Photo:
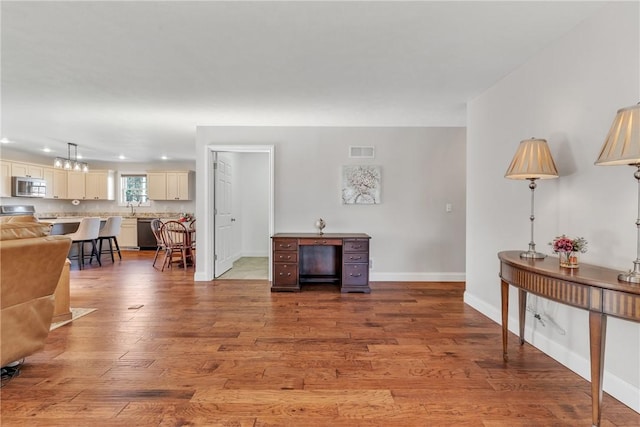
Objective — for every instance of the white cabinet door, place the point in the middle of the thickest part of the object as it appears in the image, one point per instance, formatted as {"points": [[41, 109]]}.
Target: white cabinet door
{"points": [[60, 180], [157, 185], [128, 237], [75, 185], [5, 179], [99, 185], [48, 177], [25, 169], [178, 186]]}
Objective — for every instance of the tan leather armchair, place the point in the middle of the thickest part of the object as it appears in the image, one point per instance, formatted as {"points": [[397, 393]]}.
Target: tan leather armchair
{"points": [[31, 262]]}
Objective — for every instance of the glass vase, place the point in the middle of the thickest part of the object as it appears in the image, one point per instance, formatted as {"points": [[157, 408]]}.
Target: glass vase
{"points": [[568, 259]]}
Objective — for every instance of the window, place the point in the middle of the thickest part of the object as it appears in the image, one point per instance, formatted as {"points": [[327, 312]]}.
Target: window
{"points": [[133, 189]]}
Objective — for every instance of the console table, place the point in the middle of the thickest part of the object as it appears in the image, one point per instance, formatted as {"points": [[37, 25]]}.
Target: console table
{"points": [[589, 287], [334, 258]]}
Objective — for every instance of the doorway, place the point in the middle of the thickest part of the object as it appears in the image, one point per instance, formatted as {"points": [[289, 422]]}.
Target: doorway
{"points": [[230, 193]]}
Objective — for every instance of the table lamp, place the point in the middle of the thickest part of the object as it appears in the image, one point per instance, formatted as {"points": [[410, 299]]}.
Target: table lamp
{"points": [[622, 147], [532, 161]]}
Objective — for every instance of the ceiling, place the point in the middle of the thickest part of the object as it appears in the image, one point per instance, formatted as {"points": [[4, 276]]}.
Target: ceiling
{"points": [[134, 79]]}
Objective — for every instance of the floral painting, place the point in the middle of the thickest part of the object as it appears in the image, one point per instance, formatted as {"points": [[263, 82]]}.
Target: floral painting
{"points": [[361, 185]]}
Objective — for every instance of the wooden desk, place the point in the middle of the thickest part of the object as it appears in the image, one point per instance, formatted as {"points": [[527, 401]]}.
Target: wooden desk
{"points": [[334, 258], [589, 287]]}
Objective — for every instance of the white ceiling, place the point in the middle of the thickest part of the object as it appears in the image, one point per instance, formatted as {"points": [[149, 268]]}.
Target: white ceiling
{"points": [[136, 78]]}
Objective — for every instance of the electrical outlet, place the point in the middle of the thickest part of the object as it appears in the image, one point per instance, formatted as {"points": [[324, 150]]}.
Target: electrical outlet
{"points": [[370, 263], [448, 207]]}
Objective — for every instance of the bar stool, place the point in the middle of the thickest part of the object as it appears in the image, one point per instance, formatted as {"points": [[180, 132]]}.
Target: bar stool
{"points": [[109, 232], [87, 232]]}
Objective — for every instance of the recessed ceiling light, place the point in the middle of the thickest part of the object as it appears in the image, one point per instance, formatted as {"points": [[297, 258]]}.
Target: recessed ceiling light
{"points": [[4, 141], [164, 157], [46, 150], [121, 157]]}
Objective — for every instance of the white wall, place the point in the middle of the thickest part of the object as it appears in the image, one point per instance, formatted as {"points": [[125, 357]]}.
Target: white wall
{"points": [[413, 238], [567, 94]]}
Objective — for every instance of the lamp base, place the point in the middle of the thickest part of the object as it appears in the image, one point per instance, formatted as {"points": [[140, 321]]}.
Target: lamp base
{"points": [[532, 255], [629, 277]]}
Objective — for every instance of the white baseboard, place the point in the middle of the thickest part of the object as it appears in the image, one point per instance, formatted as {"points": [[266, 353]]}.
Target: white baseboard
{"points": [[417, 277], [614, 385]]}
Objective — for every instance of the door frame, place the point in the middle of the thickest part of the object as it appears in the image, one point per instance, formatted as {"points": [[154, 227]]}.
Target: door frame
{"points": [[205, 252]]}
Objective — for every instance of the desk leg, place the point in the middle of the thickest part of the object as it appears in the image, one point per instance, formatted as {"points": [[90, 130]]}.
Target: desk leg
{"points": [[505, 319], [522, 311], [597, 338]]}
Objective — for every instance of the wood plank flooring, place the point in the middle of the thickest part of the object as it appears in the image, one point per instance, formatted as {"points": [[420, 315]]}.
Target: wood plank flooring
{"points": [[231, 353]]}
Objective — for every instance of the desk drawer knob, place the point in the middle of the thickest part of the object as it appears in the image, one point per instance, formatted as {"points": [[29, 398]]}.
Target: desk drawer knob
{"points": [[285, 246]]}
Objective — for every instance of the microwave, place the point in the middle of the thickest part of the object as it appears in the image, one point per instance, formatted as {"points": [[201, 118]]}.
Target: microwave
{"points": [[28, 187]]}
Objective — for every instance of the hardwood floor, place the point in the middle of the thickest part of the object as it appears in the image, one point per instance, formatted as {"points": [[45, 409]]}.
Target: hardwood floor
{"points": [[231, 353]]}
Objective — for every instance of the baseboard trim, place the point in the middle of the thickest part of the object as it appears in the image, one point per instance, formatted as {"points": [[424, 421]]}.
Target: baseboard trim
{"points": [[417, 277], [614, 385]]}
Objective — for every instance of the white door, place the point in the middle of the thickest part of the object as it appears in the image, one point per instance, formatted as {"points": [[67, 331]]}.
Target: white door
{"points": [[223, 220]]}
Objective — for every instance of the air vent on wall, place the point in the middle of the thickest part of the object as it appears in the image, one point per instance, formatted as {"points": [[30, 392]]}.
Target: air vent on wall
{"points": [[362, 152]]}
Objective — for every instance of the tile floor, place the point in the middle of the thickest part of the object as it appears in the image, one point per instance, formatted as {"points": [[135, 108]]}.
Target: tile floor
{"points": [[248, 268]]}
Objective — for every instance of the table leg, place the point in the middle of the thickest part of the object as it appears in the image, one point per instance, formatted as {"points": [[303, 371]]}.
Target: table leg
{"points": [[505, 319], [597, 338], [522, 311]]}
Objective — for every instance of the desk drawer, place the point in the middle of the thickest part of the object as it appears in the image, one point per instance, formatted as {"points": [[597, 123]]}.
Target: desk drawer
{"points": [[320, 242], [285, 256], [285, 274], [359, 257], [285, 244], [356, 246], [355, 274]]}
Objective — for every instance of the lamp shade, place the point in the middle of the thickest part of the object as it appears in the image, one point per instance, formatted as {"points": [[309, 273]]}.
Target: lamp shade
{"points": [[532, 161], [622, 146]]}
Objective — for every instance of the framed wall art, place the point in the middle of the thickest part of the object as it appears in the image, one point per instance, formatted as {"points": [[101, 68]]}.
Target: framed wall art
{"points": [[361, 184]]}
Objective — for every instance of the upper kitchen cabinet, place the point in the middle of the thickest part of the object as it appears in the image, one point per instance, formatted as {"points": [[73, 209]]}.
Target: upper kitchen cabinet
{"points": [[5, 179], [170, 185], [57, 183], [94, 185], [26, 169]]}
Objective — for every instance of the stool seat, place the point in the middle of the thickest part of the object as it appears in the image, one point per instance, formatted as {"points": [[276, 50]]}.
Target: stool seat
{"points": [[109, 232], [87, 232]]}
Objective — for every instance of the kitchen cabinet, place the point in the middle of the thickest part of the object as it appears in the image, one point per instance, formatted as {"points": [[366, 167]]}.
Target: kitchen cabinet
{"points": [[157, 185], [75, 185], [56, 183], [26, 169], [170, 185], [99, 185], [94, 185], [128, 237], [5, 179]]}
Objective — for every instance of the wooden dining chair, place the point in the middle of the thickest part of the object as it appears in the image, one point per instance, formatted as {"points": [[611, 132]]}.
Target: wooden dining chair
{"points": [[156, 225], [175, 238]]}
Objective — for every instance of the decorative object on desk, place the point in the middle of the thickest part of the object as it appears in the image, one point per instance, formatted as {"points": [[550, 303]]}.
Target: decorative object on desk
{"points": [[361, 185], [622, 147], [532, 161], [568, 249], [320, 225], [185, 217], [71, 163]]}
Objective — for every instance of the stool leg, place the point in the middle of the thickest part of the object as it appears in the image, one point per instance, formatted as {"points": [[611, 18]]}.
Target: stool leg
{"points": [[110, 249], [95, 250], [80, 254], [115, 240]]}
